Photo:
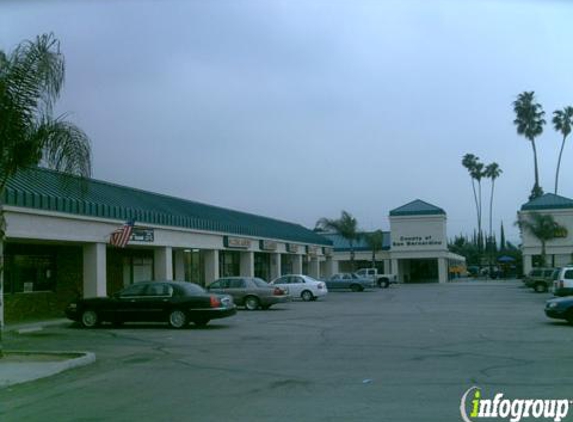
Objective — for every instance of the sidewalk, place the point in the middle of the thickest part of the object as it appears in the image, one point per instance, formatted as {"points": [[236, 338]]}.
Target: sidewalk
{"points": [[18, 366]]}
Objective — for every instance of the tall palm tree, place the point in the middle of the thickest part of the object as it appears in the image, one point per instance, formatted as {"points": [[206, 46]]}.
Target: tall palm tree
{"points": [[475, 170], [492, 171], [529, 122], [31, 78], [562, 122], [375, 242], [542, 226], [346, 226]]}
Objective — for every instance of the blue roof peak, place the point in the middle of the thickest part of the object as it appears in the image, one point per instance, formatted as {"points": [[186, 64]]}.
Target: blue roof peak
{"points": [[417, 207], [548, 201]]}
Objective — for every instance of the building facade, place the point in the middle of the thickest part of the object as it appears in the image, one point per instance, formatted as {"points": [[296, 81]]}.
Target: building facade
{"points": [[58, 230], [59, 227], [415, 248], [559, 250]]}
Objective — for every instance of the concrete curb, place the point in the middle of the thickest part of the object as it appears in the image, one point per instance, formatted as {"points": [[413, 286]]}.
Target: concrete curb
{"points": [[17, 367], [32, 326]]}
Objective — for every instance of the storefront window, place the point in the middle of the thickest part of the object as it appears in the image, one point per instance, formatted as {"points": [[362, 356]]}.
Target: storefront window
{"points": [[263, 266], [286, 264], [30, 273], [229, 263], [195, 266]]}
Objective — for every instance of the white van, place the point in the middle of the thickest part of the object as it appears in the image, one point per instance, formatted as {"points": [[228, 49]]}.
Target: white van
{"points": [[563, 282]]}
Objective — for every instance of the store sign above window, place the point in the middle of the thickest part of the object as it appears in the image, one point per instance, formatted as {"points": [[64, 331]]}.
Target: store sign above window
{"points": [[268, 245], [312, 250], [236, 242], [292, 248], [141, 234]]}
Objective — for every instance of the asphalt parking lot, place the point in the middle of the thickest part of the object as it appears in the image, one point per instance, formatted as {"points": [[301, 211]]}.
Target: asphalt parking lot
{"points": [[406, 353]]}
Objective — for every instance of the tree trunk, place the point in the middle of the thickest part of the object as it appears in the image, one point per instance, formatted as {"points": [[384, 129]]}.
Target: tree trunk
{"points": [[3, 183], [535, 162], [476, 201], [559, 164], [491, 252], [2, 236]]}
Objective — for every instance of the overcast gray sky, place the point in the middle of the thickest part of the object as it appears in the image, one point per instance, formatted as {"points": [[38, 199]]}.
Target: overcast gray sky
{"points": [[300, 109]]}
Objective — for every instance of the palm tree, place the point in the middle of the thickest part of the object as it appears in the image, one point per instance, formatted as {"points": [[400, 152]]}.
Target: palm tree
{"points": [[492, 171], [475, 170], [346, 226], [31, 78], [375, 242], [562, 122], [529, 121], [542, 226]]}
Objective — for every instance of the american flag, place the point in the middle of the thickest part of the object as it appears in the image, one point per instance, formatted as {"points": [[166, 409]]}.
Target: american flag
{"points": [[121, 236]]}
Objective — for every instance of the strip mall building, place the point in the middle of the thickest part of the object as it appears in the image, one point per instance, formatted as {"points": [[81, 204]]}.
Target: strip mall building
{"points": [[559, 250], [58, 230]]}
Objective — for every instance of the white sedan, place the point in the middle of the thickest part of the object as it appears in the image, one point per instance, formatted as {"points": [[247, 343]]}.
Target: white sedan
{"points": [[303, 286]]}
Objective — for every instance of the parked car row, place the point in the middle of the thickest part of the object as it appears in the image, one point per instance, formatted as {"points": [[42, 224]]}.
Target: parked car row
{"points": [[177, 303], [560, 282], [180, 303]]}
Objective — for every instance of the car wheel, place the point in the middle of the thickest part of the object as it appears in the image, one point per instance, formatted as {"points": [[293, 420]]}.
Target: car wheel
{"points": [[177, 319], [201, 322], [89, 318], [307, 295], [251, 303], [356, 287], [540, 288], [385, 283]]}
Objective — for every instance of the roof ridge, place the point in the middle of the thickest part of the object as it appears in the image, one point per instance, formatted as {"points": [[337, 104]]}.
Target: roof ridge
{"points": [[41, 188], [162, 195]]}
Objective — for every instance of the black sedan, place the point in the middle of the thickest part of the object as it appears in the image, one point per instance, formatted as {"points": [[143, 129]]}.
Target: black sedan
{"points": [[176, 302], [560, 308]]}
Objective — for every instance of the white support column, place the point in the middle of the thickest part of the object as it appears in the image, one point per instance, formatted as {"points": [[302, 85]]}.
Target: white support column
{"points": [[387, 266], [179, 265], [163, 263], [275, 265], [527, 264], [211, 266], [331, 267], [394, 268], [297, 264], [314, 267], [95, 280], [443, 270], [247, 264]]}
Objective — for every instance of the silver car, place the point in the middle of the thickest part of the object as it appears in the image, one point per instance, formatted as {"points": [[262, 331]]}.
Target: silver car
{"points": [[250, 292], [348, 281]]}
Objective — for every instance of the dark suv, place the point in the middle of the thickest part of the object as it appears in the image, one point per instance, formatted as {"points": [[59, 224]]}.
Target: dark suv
{"points": [[540, 279]]}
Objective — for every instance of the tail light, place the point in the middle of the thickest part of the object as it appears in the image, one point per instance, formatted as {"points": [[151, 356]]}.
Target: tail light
{"points": [[561, 284], [215, 302], [278, 291], [320, 285]]}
